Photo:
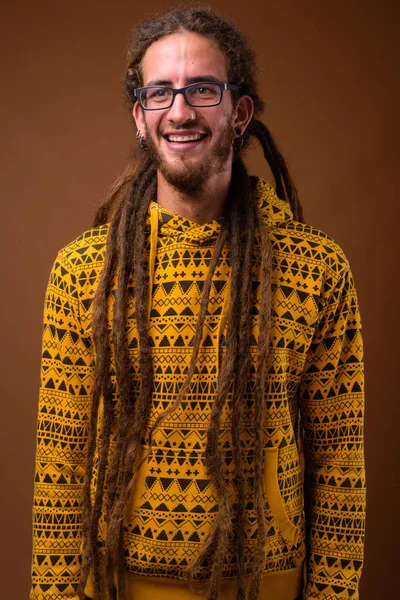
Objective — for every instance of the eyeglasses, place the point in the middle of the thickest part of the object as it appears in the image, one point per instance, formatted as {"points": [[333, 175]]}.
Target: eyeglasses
{"points": [[206, 93]]}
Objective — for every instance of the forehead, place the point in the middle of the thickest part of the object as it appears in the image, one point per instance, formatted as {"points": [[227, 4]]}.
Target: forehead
{"points": [[178, 57]]}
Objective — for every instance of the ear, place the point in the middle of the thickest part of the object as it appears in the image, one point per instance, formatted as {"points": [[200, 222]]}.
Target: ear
{"points": [[243, 113], [138, 115]]}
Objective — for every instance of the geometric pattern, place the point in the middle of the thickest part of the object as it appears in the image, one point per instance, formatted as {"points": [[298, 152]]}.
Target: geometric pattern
{"points": [[316, 354]]}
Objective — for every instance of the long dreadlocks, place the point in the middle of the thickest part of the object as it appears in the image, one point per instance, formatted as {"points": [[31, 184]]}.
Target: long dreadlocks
{"points": [[124, 426]]}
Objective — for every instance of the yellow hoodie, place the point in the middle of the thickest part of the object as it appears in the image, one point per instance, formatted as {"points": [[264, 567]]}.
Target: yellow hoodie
{"points": [[316, 348]]}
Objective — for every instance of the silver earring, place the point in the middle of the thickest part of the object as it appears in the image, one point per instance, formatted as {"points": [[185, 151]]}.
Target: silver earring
{"points": [[141, 140]]}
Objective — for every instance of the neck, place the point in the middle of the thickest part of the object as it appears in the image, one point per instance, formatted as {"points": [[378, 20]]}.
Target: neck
{"points": [[202, 207]]}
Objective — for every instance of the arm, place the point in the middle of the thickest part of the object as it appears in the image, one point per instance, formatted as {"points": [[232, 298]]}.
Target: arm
{"points": [[332, 404], [64, 402]]}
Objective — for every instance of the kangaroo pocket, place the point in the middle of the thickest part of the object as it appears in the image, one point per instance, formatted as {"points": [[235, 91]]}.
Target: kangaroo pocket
{"points": [[170, 511], [287, 528]]}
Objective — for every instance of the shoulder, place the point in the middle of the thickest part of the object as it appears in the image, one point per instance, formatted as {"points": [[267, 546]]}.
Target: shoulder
{"points": [[77, 266], [85, 251], [293, 240], [311, 245], [315, 264]]}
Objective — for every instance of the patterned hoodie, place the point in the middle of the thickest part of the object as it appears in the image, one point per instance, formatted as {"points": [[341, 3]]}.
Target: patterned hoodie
{"points": [[314, 515]]}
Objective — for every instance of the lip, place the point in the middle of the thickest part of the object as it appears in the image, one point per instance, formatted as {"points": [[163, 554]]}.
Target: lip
{"points": [[183, 132], [183, 146]]}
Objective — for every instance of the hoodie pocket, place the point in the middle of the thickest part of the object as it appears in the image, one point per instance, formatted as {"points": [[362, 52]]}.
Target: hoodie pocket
{"points": [[275, 500]]}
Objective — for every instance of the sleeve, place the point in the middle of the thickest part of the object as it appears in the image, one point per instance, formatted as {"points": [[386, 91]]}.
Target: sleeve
{"points": [[66, 382], [332, 407]]}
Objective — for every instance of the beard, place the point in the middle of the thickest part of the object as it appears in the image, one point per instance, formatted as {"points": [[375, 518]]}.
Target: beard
{"points": [[193, 179]]}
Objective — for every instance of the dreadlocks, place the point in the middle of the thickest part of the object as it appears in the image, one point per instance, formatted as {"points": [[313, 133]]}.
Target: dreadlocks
{"points": [[123, 425]]}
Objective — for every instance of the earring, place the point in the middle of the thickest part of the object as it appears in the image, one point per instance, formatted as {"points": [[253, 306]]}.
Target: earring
{"points": [[237, 142], [141, 140]]}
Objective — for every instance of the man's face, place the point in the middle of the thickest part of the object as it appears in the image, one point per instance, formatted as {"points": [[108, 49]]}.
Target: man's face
{"points": [[178, 60]]}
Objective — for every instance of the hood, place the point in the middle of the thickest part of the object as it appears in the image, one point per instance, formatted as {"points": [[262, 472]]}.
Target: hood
{"points": [[273, 209], [164, 223], [175, 229]]}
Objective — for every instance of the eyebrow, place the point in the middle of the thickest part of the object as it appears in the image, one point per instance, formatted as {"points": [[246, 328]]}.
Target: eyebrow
{"points": [[198, 79]]}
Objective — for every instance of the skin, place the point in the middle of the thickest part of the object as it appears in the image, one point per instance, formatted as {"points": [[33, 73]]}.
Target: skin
{"points": [[176, 59]]}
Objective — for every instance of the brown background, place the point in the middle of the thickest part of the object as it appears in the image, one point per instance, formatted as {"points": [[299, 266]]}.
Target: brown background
{"points": [[330, 77]]}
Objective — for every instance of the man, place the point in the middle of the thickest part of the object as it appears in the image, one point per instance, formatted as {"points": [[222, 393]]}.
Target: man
{"points": [[192, 339]]}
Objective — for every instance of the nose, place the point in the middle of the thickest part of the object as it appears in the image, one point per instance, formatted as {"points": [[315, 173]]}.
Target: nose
{"points": [[180, 110]]}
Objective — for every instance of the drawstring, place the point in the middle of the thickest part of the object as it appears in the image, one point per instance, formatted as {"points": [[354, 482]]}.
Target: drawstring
{"points": [[153, 252], [154, 223], [222, 322]]}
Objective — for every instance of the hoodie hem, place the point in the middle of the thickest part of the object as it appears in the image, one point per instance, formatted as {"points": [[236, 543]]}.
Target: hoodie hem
{"points": [[276, 585]]}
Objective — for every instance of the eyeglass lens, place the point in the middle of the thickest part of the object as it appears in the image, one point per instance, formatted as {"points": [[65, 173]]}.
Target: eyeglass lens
{"points": [[197, 95]]}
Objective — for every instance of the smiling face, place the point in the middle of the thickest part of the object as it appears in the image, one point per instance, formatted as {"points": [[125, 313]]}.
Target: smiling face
{"points": [[189, 164]]}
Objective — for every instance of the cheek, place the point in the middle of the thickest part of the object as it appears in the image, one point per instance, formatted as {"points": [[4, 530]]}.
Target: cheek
{"points": [[153, 123], [222, 122], [215, 118], [224, 115]]}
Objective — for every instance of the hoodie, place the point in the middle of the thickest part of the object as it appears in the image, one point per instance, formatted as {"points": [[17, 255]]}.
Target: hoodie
{"points": [[314, 511]]}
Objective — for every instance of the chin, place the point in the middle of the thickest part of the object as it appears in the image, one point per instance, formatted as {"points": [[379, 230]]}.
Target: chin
{"points": [[182, 163], [183, 156], [189, 179]]}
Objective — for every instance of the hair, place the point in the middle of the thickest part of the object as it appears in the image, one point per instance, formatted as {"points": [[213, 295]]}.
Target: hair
{"points": [[126, 210]]}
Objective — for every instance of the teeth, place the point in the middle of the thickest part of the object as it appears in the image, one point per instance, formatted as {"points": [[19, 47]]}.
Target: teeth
{"points": [[184, 138]]}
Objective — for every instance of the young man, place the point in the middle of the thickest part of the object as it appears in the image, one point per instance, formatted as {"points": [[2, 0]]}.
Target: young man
{"points": [[195, 339]]}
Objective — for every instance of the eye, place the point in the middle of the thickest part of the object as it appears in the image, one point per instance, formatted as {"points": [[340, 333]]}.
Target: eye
{"points": [[203, 90], [157, 93], [207, 91]]}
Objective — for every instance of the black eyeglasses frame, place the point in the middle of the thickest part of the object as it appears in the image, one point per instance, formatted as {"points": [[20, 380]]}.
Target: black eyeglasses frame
{"points": [[222, 86]]}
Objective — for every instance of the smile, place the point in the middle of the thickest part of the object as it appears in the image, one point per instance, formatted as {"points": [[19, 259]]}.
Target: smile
{"points": [[196, 137]]}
